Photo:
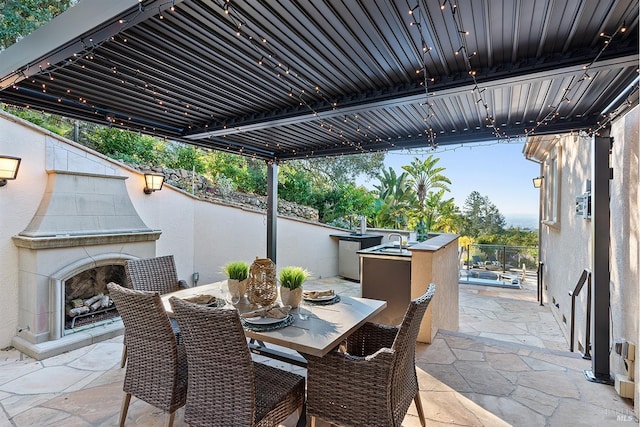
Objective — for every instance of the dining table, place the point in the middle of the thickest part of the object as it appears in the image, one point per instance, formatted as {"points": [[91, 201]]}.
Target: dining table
{"points": [[315, 327]]}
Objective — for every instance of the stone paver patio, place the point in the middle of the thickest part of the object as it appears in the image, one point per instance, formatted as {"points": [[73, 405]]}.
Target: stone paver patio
{"points": [[508, 364]]}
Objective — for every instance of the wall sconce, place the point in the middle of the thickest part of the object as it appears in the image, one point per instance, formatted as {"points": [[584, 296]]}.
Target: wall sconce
{"points": [[8, 168], [537, 182], [153, 182]]}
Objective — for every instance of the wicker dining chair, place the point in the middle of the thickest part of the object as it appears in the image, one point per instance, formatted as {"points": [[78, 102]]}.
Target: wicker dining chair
{"points": [[374, 381], [226, 388], [157, 363], [151, 274]]}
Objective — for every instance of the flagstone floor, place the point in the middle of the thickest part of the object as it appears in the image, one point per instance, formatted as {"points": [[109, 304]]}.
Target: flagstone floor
{"points": [[508, 364]]}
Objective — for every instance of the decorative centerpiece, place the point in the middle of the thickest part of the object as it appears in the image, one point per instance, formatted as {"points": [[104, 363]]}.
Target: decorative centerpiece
{"points": [[237, 273], [291, 280], [262, 287]]}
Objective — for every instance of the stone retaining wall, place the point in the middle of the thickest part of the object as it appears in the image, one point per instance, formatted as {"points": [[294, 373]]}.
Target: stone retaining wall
{"points": [[204, 189]]}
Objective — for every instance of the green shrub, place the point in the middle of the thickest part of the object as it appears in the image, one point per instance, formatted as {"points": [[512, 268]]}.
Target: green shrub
{"points": [[293, 277], [238, 270]]}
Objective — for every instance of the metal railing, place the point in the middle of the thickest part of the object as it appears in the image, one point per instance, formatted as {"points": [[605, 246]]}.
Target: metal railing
{"points": [[585, 277], [541, 282], [501, 257]]}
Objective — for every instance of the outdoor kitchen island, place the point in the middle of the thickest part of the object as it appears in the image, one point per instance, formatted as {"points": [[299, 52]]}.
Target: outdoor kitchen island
{"points": [[397, 275]]}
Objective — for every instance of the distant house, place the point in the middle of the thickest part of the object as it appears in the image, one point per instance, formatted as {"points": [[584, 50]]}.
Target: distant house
{"points": [[570, 242]]}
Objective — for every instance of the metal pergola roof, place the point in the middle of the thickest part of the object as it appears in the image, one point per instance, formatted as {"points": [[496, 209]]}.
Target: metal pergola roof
{"points": [[285, 79]]}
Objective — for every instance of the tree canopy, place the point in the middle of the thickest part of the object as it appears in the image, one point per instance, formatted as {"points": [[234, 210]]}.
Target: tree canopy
{"points": [[21, 17], [481, 216]]}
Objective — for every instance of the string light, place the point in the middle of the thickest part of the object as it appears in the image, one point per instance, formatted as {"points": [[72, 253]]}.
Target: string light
{"points": [[87, 55], [555, 109], [490, 122], [288, 75], [301, 82], [428, 130]]}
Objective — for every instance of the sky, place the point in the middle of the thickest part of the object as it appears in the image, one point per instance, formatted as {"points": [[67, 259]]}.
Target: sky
{"points": [[496, 170]]}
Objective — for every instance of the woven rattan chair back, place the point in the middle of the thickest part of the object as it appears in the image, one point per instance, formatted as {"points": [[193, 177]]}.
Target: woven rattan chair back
{"points": [[222, 383], [152, 274], [157, 364], [404, 380], [225, 387], [374, 382]]}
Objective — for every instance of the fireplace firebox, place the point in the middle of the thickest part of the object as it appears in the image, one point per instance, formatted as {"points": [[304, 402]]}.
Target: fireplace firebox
{"points": [[86, 299]]}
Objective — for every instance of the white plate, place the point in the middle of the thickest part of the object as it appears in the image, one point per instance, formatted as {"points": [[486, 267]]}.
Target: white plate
{"points": [[263, 320], [322, 298]]}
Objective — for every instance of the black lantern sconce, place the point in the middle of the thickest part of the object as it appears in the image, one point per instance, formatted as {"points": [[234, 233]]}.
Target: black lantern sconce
{"points": [[537, 182], [153, 182], [8, 168]]}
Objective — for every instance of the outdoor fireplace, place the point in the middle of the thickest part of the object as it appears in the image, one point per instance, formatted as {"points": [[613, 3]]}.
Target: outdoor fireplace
{"points": [[85, 229]]}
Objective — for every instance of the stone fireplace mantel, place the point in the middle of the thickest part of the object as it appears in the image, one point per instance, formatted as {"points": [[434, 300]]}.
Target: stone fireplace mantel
{"points": [[85, 240]]}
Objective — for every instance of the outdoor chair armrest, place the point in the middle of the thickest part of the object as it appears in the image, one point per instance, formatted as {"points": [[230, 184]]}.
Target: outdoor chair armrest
{"points": [[355, 372], [370, 338]]}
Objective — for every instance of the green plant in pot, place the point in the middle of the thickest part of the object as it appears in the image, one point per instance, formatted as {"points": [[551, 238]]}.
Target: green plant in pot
{"points": [[237, 273], [291, 280]]}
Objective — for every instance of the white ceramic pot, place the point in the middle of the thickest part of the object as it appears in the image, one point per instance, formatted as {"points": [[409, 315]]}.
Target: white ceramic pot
{"points": [[291, 297], [237, 287]]}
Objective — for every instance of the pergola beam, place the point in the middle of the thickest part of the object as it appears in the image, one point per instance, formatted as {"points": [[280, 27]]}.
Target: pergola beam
{"points": [[403, 95]]}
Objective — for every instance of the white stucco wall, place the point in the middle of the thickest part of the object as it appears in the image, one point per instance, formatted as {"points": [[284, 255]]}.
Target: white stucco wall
{"points": [[565, 246], [19, 199], [625, 237], [202, 236], [226, 234]]}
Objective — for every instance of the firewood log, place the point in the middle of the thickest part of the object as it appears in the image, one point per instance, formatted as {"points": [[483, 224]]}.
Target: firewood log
{"points": [[79, 310], [93, 299], [105, 302]]}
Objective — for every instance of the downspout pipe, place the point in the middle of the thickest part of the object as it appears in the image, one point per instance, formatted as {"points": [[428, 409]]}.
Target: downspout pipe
{"points": [[540, 274]]}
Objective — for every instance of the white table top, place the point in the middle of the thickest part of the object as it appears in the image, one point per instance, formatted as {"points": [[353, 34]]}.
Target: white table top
{"points": [[325, 327]]}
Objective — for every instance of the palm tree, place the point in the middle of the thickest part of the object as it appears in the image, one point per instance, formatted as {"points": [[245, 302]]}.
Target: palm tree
{"points": [[394, 200], [426, 177], [390, 183], [442, 214]]}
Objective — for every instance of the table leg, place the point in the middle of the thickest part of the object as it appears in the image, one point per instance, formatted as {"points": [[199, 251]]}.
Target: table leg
{"points": [[302, 421]]}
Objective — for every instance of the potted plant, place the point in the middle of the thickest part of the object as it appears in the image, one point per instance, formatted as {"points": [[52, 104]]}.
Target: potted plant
{"points": [[237, 273], [291, 280]]}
